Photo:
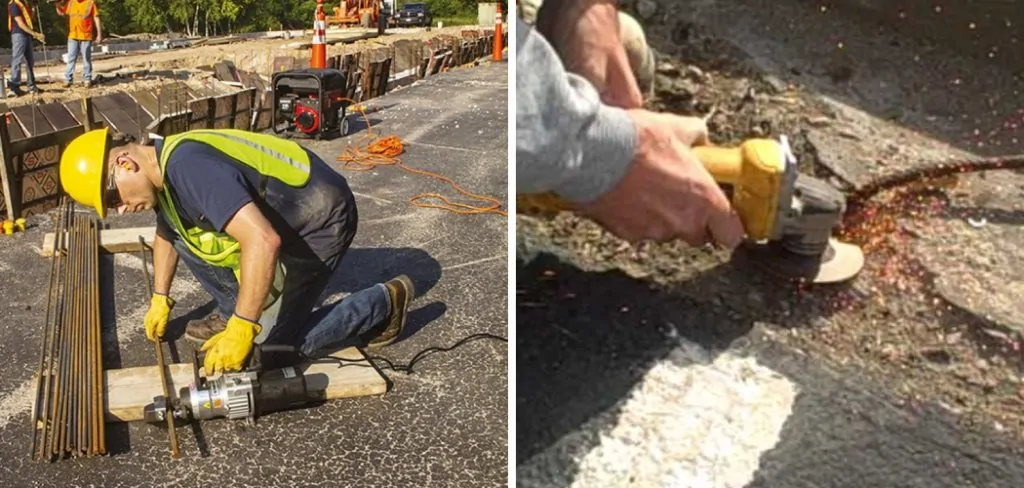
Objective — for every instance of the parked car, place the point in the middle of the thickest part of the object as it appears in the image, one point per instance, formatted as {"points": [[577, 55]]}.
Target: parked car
{"points": [[414, 15]]}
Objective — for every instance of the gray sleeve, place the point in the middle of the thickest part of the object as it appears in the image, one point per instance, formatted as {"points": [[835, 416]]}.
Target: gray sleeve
{"points": [[567, 140]]}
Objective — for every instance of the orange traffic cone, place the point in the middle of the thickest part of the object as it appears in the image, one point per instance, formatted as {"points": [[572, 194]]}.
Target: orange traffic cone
{"points": [[318, 55], [496, 55]]}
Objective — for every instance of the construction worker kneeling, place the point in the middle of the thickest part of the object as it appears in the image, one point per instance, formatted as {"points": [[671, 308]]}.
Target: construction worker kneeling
{"points": [[260, 221]]}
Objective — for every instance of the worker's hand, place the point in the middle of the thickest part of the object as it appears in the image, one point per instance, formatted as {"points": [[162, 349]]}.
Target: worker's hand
{"points": [[40, 37], [156, 318], [667, 193], [227, 350], [585, 34]]}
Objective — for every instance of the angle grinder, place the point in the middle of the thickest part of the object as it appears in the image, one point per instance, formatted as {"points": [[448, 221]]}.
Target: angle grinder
{"points": [[257, 390], [788, 217]]}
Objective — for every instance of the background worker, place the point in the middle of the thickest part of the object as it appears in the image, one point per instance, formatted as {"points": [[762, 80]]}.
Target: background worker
{"points": [[22, 29], [582, 134], [84, 30], [260, 221]]}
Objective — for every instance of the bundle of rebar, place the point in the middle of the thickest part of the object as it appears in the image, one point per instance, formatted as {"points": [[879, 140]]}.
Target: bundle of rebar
{"points": [[68, 414]]}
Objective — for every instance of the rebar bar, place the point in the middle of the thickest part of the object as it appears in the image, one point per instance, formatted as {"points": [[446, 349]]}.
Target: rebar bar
{"points": [[160, 362], [68, 418]]}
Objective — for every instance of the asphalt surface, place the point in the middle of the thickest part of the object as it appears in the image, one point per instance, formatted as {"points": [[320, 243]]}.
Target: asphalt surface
{"points": [[443, 425], [588, 345]]}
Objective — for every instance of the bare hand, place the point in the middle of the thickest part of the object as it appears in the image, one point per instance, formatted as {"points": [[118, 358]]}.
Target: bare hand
{"points": [[667, 194], [585, 34]]}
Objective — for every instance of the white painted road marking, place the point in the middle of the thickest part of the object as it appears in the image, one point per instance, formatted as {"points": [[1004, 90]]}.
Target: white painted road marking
{"points": [[690, 423]]}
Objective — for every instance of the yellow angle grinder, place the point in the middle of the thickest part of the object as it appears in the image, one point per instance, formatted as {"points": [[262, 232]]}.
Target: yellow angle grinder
{"points": [[788, 216]]}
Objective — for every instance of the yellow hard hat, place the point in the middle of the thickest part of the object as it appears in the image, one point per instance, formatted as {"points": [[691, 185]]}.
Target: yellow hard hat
{"points": [[83, 169]]}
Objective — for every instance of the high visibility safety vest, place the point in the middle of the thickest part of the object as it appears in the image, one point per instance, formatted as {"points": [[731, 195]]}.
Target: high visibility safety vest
{"points": [[80, 17], [26, 15], [270, 156]]}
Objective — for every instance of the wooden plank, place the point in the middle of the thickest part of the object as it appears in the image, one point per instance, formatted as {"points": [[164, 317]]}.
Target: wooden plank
{"points": [[58, 116], [146, 101], [39, 179], [283, 63], [32, 120], [263, 120], [122, 113], [46, 140], [127, 391], [244, 109], [75, 109], [225, 72], [78, 110], [202, 113], [7, 175], [224, 111], [111, 240], [169, 124], [172, 98]]}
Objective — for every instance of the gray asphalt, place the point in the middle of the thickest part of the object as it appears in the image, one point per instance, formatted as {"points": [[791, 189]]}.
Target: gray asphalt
{"points": [[443, 425]]}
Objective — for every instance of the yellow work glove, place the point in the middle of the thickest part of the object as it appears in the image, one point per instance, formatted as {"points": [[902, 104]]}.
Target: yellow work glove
{"points": [[156, 318], [227, 350]]}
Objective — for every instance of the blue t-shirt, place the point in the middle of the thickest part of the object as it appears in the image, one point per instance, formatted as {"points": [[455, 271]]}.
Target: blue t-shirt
{"points": [[15, 12], [209, 187]]}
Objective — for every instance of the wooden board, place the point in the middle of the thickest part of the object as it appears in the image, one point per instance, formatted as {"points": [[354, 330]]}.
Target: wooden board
{"points": [[263, 121], [244, 109], [58, 116], [224, 111], [122, 113], [147, 101], [127, 391], [111, 240], [172, 98], [283, 63], [202, 113], [13, 131], [226, 72], [32, 121]]}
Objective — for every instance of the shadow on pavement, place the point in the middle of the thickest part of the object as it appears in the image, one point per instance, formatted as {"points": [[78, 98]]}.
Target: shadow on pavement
{"points": [[585, 339]]}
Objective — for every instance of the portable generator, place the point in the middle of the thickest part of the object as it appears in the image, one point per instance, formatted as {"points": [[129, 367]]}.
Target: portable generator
{"points": [[311, 101]]}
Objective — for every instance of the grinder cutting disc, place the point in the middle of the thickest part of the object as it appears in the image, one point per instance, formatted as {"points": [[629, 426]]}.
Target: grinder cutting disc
{"points": [[839, 262]]}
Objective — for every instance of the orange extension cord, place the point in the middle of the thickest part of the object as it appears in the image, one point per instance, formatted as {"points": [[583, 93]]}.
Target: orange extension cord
{"points": [[384, 151]]}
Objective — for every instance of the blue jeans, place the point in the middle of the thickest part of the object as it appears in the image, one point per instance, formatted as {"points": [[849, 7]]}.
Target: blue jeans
{"points": [[76, 48], [21, 51], [290, 320]]}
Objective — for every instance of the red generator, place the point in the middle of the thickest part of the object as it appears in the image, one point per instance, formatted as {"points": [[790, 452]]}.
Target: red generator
{"points": [[311, 102]]}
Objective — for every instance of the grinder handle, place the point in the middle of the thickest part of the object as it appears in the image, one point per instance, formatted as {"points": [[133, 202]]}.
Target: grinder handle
{"points": [[724, 163]]}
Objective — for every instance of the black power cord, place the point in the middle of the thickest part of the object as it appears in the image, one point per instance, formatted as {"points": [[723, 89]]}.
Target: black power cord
{"points": [[407, 368]]}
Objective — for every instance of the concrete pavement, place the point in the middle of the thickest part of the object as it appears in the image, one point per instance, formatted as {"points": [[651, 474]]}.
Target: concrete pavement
{"points": [[443, 425]]}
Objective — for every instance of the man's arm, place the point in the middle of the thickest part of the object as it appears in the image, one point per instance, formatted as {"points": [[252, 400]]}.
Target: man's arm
{"points": [[165, 259], [260, 247], [24, 26], [567, 141], [96, 20]]}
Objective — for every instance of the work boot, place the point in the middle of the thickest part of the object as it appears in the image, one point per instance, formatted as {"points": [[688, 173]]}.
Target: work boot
{"points": [[402, 291], [203, 329]]}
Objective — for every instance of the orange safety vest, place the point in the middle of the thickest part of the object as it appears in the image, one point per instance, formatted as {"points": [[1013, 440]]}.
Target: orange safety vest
{"points": [[80, 14], [26, 14]]}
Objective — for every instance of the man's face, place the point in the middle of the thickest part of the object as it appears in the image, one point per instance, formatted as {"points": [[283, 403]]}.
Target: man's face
{"points": [[130, 190]]}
